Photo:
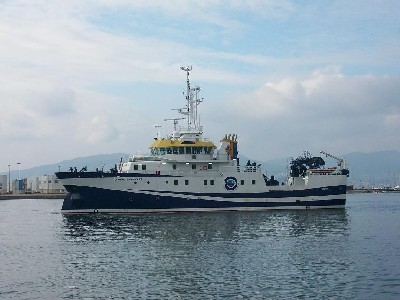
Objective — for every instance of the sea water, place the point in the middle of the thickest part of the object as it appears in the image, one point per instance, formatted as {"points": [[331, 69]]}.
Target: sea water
{"points": [[351, 253]]}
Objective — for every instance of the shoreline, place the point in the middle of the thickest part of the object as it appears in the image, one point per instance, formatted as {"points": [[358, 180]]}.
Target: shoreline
{"points": [[31, 196], [374, 191]]}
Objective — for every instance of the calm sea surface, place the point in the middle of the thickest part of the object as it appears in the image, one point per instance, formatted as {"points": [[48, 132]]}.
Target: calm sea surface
{"points": [[351, 253]]}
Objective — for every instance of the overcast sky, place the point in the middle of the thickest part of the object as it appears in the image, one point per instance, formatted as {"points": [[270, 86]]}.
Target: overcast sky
{"points": [[79, 78]]}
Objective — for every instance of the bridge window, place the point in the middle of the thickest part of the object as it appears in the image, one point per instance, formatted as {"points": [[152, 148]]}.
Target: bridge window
{"points": [[188, 150], [169, 150], [181, 150], [175, 150], [162, 151], [143, 167], [135, 167]]}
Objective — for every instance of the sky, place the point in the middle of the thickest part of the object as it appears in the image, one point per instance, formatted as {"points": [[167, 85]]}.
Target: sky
{"points": [[80, 78]]}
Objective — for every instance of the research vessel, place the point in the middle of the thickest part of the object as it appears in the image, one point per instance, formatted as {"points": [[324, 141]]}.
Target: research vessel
{"points": [[186, 172]]}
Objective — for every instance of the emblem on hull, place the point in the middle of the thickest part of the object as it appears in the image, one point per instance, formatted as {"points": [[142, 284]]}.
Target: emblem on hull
{"points": [[230, 183]]}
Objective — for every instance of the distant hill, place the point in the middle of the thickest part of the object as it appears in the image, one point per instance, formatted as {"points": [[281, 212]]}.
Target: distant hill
{"points": [[92, 162], [373, 169], [376, 168]]}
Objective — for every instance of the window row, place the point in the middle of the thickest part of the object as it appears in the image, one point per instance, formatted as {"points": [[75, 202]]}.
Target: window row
{"points": [[194, 167], [174, 166], [242, 182], [136, 167], [206, 182], [181, 150]]}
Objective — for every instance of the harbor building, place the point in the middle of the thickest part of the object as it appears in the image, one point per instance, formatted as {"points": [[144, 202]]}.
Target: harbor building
{"points": [[46, 184], [18, 186], [49, 184], [32, 185], [3, 184]]}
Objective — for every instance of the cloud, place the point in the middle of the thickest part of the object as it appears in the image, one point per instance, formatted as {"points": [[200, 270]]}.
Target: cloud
{"points": [[325, 90], [31, 111], [98, 129], [83, 77], [392, 120], [54, 104], [325, 109]]}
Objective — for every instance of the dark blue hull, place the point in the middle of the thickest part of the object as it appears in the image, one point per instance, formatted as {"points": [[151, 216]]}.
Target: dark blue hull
{"points": [[92, 200]]}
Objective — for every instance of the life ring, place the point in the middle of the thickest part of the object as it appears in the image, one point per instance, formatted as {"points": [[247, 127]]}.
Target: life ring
{"points": [[205, 168]]}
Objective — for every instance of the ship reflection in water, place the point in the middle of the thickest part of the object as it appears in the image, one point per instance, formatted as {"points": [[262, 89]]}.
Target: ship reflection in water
{"points": [[235, 254], [195, 227]]}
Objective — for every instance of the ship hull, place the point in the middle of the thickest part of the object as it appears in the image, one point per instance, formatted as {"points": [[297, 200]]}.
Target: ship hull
{"points": [[98, 200]]}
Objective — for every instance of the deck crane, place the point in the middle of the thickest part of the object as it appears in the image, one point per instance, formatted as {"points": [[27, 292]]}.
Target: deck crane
{"points": [[341, 162]]}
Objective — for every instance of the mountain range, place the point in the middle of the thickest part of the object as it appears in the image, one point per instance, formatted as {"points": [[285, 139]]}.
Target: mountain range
{"points": [[366, 169]]}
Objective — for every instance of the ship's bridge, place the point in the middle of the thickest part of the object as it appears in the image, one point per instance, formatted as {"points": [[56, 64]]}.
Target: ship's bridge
{"points": [[178, 149]]}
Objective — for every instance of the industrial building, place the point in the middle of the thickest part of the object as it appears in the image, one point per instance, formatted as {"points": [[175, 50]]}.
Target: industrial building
{"points": [[3, 184], [46, 184]]}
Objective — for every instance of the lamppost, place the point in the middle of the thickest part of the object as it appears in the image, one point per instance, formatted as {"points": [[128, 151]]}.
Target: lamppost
{"points": [[9, 179], [19, 175]]}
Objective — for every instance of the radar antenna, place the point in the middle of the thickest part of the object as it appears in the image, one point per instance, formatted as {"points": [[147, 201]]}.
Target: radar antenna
{"points": [[158, 130], [175, 122]]}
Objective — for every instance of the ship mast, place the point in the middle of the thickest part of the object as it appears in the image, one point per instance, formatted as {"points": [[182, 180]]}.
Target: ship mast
{"points": [[193, 100]]}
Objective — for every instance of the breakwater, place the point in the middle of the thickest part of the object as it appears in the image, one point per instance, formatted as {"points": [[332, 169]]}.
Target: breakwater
{"points": [[31, 196]]}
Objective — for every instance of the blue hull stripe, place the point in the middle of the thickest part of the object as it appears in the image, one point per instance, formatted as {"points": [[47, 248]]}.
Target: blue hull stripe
{"points": [[326, 191]]}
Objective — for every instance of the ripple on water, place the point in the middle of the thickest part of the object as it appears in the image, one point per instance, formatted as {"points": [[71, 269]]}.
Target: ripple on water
{"points": [[346, 253]]}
